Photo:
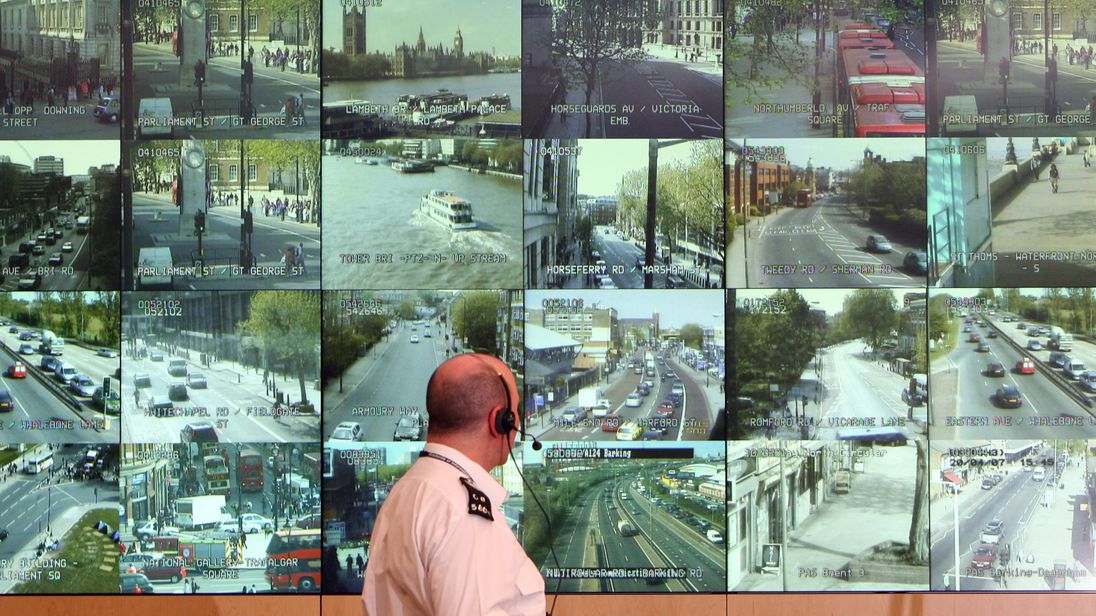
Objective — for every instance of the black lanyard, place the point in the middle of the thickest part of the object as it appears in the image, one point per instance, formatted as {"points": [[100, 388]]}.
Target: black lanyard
{"points": [[438, 456]]}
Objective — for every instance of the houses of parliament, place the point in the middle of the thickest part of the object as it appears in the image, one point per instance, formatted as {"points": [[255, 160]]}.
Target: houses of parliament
{"points": [[418, 60]]}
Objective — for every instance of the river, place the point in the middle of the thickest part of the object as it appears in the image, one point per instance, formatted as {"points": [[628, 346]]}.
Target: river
{"points": [[386, 91], [372, 209]]}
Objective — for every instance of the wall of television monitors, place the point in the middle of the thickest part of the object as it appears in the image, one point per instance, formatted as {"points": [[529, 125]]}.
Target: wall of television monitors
{"points": [[799, 297]]}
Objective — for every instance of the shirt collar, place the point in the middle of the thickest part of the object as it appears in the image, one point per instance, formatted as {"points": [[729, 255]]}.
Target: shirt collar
{"points": [[483, 480]]}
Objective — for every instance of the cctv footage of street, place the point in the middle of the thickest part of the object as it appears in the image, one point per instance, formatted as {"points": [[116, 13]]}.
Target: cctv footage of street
{"points": [[380, 348], [221, 366], [207, 517], [1012, 363], [848, 213], [829, 365], [59, 514], [625, 365], [1012, 515], [848, 515], [628, 517]]}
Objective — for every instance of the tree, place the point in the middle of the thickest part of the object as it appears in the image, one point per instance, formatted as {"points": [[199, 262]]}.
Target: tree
{"points": [[106, 258], [591, 35], [287, 325], [872, 314], [692, 335], [288, 11], [287, 156], [919, 525], [475, 318]]}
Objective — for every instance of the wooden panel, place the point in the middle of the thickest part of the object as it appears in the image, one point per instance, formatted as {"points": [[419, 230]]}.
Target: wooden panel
{"points": [[165, 605]]}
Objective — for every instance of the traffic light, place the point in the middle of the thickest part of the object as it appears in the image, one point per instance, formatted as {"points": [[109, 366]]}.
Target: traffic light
{"points": [[199, 72], [249, 222], [199, 221], [249, 72]]}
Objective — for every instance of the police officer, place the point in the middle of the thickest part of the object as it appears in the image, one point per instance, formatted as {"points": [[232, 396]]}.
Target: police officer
{"points": [[441, 545]]}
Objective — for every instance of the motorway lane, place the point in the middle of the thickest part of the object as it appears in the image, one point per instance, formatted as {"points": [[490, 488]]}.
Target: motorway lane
{"points": [[239, 414], [699, 414], [856, 388], [571, 537], [72, 274], [1013, 501], [981, 418], [680, 545], [698, 101], [1082, 350], [811, 242], [396, 382], [35, 402]]}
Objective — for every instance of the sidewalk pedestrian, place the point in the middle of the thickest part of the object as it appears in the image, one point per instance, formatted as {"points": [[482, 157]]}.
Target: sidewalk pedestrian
{"points": [[1053, 177]]}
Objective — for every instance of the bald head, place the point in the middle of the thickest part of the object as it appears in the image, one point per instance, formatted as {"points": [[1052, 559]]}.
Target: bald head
{"points": [[464, 391]]}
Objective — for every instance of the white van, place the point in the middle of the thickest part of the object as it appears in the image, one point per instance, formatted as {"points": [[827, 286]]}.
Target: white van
{"points": [[1039, 474], [154, 117], [714, 536]]}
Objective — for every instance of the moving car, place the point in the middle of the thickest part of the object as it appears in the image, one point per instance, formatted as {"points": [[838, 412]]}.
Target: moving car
{"points": [[18, 370], [55, 259], [573, 414], [347, 431], [177, 391], [414, 338], [666, 409], [67, 247], [916, 261], [992, 532], [108, 109], [878, 243], [629, 431], [1057, 359], [199, 432], [82, 385], [982, 348], [611, 422], [1008, 397], [1034, 345], [105, 352], [6, 403], [1073, 369], [633, 401], [995, 369], [195, 380], [1025, 366], [142, 380], [408, 428]]}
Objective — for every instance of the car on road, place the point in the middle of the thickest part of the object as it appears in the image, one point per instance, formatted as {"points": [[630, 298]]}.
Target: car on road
{"points": [[408, 428], [605, 282], [1057, 359], [677, 398], [82, 385], [108, 109], [966, 328], [982, 348], [39, 249], [629, 431], [1008, 397], [643, 389], [992, 334], [13, 330], [156, 356], [678, 387], [347, 431], [985, 556], [414, 338], [1025, 366], [1021, 325], [199, 432], [1088, 381], [67, 247], [18, 370], [916, 261], [666, 409], [878, 243], [1034, 345], [995, 369], [64, 372], [105, 352], [974, 337], [141, 380], [128, 583], [177, 392], [196, 380], [6, 403], [1073, 369], [166, 569], [313, 520], [55, 258], [611, 422], [634, 400], [573, 414], [993, 530]]}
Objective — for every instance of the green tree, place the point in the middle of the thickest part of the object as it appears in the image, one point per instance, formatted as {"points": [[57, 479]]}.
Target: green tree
{"points": [[286, 325], [692, 335], [475, 317], [872, 314]]}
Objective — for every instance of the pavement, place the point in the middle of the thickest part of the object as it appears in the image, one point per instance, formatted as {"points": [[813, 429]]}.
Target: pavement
{"points": [[875, 510], [1037, 219], [742, 117]]}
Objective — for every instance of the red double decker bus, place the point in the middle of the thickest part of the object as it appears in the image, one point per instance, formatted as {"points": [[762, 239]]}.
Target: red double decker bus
{"points": [[249, 471], [293, 560], [881, 110]]}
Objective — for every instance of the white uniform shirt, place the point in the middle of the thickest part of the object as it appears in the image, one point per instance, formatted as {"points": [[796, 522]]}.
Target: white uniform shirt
{"points": [[430, 556]]}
